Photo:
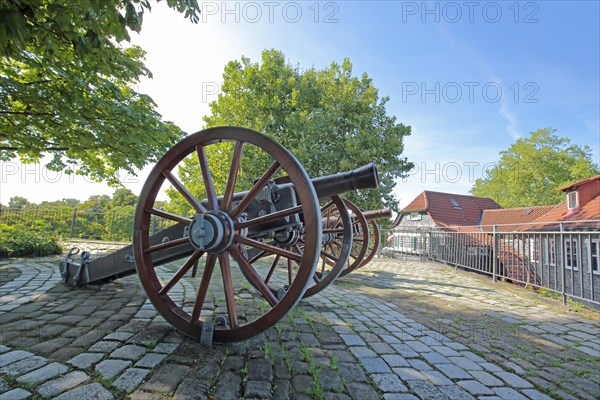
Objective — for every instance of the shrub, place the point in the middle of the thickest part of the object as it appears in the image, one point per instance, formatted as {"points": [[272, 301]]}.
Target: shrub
{"points": [[18, 241]]}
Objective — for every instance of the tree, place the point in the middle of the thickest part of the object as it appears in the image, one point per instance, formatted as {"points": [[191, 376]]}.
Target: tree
{"points": [[68, 86], [18, 203], [66, 203], [96, 204], [330, 120], [533, 169], [123, 197]]}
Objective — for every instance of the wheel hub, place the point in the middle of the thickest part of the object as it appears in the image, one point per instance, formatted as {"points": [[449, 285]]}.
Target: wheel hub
{"points": [[287, 238], [211, 232]]}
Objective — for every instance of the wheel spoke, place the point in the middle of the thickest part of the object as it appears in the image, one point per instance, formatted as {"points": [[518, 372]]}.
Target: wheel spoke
{"points": [[326, 206], [228, 285], [337, 221], [251, 195], [258, 256], [290, 271], [324, 254], [272, 269], [166, 245], [201, 296], [252, 275], [232, 178], [332, 248], [184, 192], [316, 278], [182, 271], [207, 178], [168, 215], [267, 247], [268, 218]]}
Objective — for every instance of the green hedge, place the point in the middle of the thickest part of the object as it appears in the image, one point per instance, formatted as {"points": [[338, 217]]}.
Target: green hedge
{"points": [[17, 241]]}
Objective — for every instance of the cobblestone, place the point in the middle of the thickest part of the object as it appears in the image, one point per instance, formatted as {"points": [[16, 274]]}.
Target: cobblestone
{"points": [[440, 346], [61, 384], [85, 360], [128, 352], [389, 383], [16, 394], [111, 368], [93, 391], [13, 356], [150, 360], [43, 374], [23, 366], [130, 379]]}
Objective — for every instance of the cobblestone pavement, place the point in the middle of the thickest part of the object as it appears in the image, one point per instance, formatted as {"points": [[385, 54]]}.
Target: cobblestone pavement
{"points": [[395, 329]]}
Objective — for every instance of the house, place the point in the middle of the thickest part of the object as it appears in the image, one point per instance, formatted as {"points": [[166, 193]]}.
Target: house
{"points": [[579, 209], [565, 241], [555, 246], [435, 210]]}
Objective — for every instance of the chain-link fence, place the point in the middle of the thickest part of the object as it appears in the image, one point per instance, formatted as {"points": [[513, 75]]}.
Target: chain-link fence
{"points": [[110, 225]]}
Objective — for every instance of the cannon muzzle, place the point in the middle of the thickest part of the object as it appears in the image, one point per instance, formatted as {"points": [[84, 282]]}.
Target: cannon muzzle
{"points": [[378, 214], [364, 177]]}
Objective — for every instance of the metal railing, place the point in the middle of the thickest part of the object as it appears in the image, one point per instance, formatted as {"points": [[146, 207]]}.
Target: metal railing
{"points": [[561, 257]]}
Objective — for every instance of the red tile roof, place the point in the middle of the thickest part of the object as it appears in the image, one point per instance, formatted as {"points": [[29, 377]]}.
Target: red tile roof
{"points": [[509, 217], [467, 210], [590, 211], [580, 183], [418, 204]]}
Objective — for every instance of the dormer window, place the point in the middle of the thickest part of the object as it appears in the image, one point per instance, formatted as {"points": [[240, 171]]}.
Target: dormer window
{"points": [[415, 216], [572, 201], [455, 204]]}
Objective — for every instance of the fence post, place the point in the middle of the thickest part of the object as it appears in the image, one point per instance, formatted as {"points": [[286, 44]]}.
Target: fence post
{"points": [[73, 221], [429, 244], [494, 255], [562, 261]]}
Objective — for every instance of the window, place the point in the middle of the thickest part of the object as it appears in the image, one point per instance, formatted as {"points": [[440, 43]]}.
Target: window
{"points": [[472, 251], [483, 251], [572, 200], [571, 254], [442, 240], [415, 216], [595, 256], [550, 245], [455, 204]]}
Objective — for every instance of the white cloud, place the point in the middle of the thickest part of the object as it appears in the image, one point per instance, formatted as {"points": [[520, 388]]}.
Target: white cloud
{"points": [[512, 127]]}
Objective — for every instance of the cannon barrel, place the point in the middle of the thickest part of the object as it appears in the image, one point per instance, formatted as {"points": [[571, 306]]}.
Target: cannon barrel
{"points": [[364, 177], [378, 214]]}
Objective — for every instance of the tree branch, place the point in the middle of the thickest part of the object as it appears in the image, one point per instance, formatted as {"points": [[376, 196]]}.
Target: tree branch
{"points": [[45, 149]]}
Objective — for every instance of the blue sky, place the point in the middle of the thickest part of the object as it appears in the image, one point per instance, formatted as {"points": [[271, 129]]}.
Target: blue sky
{"points": [[468, 77]]}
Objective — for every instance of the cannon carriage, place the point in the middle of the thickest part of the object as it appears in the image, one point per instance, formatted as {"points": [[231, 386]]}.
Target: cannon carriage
{"points": [[290, 236]]}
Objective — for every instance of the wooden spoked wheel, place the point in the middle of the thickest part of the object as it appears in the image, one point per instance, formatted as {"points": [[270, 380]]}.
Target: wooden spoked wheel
{"points": [[374, 238], [335, 250], [337, 244], [218, 232], [360, 238]]}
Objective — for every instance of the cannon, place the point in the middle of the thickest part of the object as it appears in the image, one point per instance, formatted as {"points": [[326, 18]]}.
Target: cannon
{"points": [[290, 236]]}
